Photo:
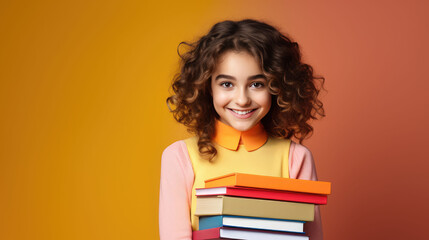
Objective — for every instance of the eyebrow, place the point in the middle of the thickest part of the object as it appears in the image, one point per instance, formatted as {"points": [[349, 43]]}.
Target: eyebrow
{"points": [[257, 76]]}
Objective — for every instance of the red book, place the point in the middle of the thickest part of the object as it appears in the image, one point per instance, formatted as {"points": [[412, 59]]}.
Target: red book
{"points": [[264, 194], [243, 233]]}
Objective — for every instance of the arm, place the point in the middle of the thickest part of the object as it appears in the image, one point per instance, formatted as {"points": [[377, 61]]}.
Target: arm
{"points": [[177, 178], [301, 165]]}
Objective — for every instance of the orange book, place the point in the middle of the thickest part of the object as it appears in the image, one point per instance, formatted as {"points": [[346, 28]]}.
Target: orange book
{"points": [[268, 182]]}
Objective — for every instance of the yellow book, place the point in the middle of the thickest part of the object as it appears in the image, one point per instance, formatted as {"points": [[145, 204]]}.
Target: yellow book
{"points": [[268, 182]]}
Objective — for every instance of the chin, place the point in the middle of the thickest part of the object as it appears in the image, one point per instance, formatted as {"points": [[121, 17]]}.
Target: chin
{"points": [[243, 127]]}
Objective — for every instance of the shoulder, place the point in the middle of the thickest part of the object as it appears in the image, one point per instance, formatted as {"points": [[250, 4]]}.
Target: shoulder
{"points": [[174, 148], [175, 159], [191, 140], [301, 162], [176, 154], [296, 150], [278, 142], [300, 151]]}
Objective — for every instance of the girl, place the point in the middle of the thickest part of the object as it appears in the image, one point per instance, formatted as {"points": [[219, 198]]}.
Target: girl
{"points": [[244, 92]]}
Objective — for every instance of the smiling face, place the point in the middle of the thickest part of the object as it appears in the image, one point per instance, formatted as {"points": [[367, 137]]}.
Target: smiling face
{"points": [[240, 92]]}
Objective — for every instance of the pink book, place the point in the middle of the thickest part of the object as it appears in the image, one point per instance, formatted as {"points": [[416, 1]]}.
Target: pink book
{"points": [[264, 194], [243, 233]]}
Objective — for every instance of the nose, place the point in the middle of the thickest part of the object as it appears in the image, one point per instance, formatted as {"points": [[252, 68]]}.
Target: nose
{"points": [[242, 98]]}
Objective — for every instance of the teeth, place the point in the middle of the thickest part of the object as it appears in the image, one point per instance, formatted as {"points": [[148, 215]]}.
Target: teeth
{"points": [[241, 112]]}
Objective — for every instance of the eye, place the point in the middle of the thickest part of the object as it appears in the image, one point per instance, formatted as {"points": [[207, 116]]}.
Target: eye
{"points": [[226, 84], [257, 84]]}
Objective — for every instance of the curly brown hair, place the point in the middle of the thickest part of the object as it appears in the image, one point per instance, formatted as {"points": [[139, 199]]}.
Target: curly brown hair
{"points": [[292, 84]]}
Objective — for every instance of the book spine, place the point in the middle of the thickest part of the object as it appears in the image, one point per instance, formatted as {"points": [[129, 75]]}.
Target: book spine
{"points": [[287, 184], [210, 222], [212, 233], [277, 195], [268, 209], [267, 182]]}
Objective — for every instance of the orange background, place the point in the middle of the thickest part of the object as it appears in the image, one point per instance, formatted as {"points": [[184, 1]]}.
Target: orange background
{"points": [[84, 121]]}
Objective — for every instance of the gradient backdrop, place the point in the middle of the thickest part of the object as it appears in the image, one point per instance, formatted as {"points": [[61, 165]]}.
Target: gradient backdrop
{"points": [[84, 122]]}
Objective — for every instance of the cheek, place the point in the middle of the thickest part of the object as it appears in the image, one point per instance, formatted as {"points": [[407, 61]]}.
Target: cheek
{"points": [[264, 100], [220, 99]]}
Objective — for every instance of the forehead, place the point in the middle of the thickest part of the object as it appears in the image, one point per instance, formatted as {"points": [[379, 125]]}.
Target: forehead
{"points": [[235, 62]]}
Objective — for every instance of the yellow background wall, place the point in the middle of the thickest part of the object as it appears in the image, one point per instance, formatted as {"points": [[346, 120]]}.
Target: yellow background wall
{"points": [[83, 117]]}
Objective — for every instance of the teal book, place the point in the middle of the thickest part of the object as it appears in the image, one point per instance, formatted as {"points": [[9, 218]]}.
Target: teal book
{"points": [[251, 223]]}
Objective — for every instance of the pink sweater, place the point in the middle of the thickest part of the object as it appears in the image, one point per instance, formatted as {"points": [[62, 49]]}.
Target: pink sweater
{"points": [[177, 179]]}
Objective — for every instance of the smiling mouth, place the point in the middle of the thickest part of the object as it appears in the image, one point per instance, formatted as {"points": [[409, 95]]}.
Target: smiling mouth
{"points": [[242, 112]]}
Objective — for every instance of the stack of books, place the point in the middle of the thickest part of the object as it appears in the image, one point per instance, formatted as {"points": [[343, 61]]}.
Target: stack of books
{"points": [[246, 206]]}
